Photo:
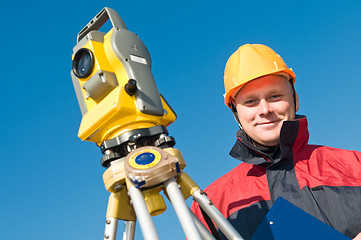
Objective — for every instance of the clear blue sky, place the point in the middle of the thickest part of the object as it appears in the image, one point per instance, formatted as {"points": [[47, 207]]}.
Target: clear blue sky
{"points": [[51, 182]]}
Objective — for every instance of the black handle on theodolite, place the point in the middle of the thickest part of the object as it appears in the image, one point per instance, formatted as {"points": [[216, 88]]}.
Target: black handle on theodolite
{"points": [[100, 19]]}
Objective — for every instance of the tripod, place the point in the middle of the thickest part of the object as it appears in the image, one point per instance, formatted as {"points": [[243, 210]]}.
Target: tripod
{"points": [[136, 179]]}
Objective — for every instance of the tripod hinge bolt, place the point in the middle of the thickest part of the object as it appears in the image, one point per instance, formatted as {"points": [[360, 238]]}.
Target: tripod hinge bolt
{"points": [[108, 221], [106, 236], [117, 188]]}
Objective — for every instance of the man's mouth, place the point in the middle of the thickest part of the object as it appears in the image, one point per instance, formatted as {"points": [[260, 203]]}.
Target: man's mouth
{"points": [[268, 123]]}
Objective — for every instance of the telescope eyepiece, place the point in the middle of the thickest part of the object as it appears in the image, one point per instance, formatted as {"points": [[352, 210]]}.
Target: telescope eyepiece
{"points": [[83, 63]]}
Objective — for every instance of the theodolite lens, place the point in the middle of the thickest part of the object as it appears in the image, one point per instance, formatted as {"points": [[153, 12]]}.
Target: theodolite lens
{"points": [[83, 63]]}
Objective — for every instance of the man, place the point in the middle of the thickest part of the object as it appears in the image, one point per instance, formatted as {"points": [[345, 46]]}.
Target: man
{"points": [[277, 160]]}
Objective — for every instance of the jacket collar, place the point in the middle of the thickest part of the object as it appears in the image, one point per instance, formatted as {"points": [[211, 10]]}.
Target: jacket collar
{"points": [[294, 137]]}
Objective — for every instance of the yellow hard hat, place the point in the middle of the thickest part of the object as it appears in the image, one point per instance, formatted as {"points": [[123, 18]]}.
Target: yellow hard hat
{"points": [[249, 62]]}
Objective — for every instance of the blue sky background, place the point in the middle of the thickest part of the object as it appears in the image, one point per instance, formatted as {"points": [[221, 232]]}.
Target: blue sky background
{"points": [[51, 183]]}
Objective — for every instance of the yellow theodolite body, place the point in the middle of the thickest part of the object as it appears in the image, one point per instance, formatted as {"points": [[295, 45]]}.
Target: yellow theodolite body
{"points": [[114, 84]]}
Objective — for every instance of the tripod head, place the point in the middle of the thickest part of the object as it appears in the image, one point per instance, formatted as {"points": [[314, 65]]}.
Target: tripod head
{"points": [[113, 82]]}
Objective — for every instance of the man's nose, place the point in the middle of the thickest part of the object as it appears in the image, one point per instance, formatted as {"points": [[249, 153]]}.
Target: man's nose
{"points": [[264, 107]]}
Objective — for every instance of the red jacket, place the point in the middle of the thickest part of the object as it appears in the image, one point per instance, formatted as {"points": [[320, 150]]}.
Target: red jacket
{"points": [[323, 181]]}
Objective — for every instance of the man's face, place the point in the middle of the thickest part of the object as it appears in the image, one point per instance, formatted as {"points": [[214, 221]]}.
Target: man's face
{"points": [[262, 106]]}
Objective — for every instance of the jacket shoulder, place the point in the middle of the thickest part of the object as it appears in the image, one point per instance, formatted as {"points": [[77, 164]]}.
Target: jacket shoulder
{"points": [[329, 166]]}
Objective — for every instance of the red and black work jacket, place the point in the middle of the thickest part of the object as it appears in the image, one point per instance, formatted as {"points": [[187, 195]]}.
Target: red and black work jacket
{"points": [[323, 181]]}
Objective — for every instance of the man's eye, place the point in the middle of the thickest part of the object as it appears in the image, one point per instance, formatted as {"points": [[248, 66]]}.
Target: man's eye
{"points": [[275, 97], [250, 101]]}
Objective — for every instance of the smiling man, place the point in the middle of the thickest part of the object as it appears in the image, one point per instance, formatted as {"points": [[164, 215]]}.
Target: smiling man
{"points": [[277, 160]]}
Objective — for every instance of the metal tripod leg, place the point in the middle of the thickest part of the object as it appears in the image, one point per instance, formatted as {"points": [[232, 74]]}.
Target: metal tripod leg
{"points": [[110, 232], [222, 223], [111, 229], [182, 210], [129, 230], [141, 210], [206, 235]]}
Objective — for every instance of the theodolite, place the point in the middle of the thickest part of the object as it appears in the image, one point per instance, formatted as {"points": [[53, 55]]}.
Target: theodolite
{"points": [[124, 114]]}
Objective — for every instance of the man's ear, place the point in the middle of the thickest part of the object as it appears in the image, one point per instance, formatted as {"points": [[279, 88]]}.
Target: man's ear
{"points": [[297, 102]]}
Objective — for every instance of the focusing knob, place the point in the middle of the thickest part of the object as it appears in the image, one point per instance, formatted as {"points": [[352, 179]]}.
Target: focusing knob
{"points": [[131, 87]]}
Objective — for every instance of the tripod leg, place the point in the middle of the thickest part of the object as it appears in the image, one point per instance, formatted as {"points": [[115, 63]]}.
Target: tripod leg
{"points": [[182, 210], [143, 215], [222, 223], [129, 230], [206, 235], [110, 232]]}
